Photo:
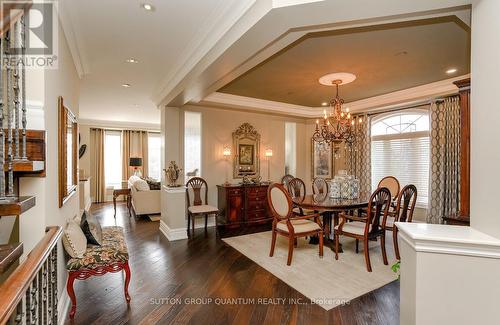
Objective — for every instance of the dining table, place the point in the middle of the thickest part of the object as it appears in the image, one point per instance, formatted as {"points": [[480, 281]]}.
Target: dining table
{"points": [[330, 208]]}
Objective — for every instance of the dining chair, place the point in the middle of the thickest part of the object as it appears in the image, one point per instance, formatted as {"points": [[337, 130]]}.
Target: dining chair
{"points": [[392, 184], [367, 226], [403, 212], [287, 223], [197, 208], [285, 179], [297, 190], [319, 186]]}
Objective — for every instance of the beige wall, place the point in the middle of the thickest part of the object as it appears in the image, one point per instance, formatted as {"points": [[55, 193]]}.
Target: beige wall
{"points": [[217, 128], [64, 82]]}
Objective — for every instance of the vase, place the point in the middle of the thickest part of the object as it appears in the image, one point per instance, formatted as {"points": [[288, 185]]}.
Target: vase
{"points": [[335, 188]]}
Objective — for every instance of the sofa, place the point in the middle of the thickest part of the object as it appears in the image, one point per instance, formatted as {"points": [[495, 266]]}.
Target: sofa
{"points": [[144, 200]]}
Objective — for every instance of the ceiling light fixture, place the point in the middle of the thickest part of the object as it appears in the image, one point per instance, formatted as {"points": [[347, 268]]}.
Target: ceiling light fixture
{"points": [[324, 104], [132, 60], [147, 7], [126, 85], [338, 125], [451, 71]]}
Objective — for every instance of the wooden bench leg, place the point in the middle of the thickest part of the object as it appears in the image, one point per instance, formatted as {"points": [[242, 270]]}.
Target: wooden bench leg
{"points": [[127, 281], [71, 293]]}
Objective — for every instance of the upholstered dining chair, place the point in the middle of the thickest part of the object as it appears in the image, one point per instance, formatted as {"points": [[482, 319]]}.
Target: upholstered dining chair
{"points": [[403, 212], [392, 184], [287, 223], [319, 186], [197, 208], [285, 179], [367, 226]]}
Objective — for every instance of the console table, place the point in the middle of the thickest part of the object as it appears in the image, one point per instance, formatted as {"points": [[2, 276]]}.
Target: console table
{"points": [[243, 209]]}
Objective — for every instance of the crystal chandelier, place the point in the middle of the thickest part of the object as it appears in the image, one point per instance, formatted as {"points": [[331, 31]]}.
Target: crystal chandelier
{"points": [[339, 125]]}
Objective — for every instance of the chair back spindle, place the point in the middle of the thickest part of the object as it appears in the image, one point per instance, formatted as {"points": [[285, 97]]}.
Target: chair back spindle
{"points": [[378, 207], [196, 184], [406, 203], [286, 179], [319, 186], [297, 189]]}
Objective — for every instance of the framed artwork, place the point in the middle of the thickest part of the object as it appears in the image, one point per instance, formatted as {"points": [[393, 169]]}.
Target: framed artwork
{"points": [[321, 160], [68, 153], [246, 141], [246, 154]]}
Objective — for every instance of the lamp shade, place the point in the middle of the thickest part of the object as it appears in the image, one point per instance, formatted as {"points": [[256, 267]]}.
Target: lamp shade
{"points": [[227, 151], [269, 153], [135, 161]]}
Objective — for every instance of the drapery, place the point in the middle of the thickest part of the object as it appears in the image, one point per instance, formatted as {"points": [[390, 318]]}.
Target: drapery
{"points": [[134, 144], [358, 160], [445, 160], [98, 184]]}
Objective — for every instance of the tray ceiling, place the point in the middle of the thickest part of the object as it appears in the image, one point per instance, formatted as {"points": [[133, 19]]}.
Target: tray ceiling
{"points": [[385, 58]]}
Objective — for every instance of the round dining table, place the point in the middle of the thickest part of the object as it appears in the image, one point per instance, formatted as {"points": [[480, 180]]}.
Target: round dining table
{"points": [[330, 209]]}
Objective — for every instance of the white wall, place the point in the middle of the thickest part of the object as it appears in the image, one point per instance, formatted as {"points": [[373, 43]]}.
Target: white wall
{"points": [[217, 128], [485, 114]]}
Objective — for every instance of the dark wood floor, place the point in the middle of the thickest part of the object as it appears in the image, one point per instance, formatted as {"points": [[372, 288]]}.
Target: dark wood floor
{"points": [[204, 268]]}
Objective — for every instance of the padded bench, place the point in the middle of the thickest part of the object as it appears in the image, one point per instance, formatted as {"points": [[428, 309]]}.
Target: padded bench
{"points": [[111, 256]]}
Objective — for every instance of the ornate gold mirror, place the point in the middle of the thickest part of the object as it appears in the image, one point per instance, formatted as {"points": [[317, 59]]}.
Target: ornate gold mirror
{"points": [[68, 153], [246, 143]]}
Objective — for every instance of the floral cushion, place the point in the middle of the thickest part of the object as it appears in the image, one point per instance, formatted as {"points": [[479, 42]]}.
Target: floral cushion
{"points": [[112, 250]]}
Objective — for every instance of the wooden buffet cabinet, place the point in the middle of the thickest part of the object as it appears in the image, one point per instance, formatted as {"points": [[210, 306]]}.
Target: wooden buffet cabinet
{"points": [[242, 209]]}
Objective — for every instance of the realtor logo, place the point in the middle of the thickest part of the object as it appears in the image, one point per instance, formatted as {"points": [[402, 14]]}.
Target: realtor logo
{"points": [[40, 33]]}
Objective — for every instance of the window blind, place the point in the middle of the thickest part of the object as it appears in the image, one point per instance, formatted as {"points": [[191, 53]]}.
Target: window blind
{"points": [[406, 158]]}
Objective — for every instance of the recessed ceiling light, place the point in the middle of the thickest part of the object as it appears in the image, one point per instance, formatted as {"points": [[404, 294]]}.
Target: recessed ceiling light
{"points": [[132, 60], [126, 85], [148, 7], [452, 70], [324, 103]]}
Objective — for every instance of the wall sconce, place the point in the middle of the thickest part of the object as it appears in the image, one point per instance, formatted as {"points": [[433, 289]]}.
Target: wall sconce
{"points": [[268, 154], [226, 152]]}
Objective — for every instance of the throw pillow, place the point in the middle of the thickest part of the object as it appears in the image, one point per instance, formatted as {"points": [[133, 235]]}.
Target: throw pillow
{"points": [[91, 228], [141, 185], [153, 184], [74, 241]]}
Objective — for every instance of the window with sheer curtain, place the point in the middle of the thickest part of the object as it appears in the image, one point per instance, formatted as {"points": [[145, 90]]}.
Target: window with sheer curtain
{"points": [[400, 147], [113, 158], [154, 155], [290, 148], [192, 144]]}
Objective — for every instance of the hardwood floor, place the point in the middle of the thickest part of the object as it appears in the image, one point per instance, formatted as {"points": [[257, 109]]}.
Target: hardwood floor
{"points": [[200, 269]]}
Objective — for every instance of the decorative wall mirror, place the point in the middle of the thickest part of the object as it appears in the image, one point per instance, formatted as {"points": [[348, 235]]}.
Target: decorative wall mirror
{"points": [[246, 143], [68, 153]]}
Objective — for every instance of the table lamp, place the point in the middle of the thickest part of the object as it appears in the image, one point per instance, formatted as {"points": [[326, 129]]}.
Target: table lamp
{"points": [[136, 162], [268, 154], [226, 152]]}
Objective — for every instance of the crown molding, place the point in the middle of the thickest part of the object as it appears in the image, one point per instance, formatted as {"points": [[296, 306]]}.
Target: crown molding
{"points": [[259, 105], [419, 94], [120, 124], [72, 38]]}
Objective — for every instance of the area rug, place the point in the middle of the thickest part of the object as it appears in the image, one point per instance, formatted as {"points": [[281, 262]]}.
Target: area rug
{"points": [[325, 281], [154, 217]]}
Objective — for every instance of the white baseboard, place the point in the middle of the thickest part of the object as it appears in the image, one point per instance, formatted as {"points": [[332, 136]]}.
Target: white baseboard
{"points": [[63, 307], [181, 233], [172, 234]]}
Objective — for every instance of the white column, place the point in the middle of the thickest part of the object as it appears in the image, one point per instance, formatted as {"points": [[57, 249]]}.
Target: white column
{"points": [[485, 115], [449, 274], [173, 200]]}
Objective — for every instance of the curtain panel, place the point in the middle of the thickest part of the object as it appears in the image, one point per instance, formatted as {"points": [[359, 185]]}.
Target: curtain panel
{"points": [[97, 181], [444, 196], [358, 160], [134, 144]]}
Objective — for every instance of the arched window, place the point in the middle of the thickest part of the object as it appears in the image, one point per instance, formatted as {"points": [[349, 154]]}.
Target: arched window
{"points": [[400, 147]]}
